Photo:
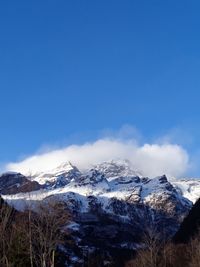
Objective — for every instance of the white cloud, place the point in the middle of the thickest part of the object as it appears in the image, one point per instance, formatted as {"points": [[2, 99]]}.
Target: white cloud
{"points": [[151, 159]]}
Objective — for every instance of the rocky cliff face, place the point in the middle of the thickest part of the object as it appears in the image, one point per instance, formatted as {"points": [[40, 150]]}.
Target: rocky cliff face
{"points": [[13, 183]]}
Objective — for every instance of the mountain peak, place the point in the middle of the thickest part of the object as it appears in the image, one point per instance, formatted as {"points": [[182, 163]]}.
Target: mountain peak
{"points": [[65, 172], [67, 166], [117, 168]]}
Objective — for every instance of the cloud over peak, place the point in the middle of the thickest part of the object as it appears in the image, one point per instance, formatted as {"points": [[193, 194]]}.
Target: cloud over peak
{"points": [[151, 159]]}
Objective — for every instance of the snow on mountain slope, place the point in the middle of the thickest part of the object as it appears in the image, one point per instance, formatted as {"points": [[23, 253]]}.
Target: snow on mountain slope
{"points": [[105, 182], [189, 188], [111, 179], [117, 168], [59, 176]]}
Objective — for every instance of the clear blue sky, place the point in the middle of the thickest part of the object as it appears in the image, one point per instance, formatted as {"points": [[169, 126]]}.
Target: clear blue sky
{"points": [[72, 67]]}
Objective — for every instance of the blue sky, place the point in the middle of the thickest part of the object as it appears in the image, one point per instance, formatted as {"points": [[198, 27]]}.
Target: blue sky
{"points": [[70, 69]]}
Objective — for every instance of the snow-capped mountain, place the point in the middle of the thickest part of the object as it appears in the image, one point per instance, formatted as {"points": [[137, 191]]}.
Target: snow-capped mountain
{"points": [[113, 179], [60, 176], [114, 187], [117, 168], [110, 203]]}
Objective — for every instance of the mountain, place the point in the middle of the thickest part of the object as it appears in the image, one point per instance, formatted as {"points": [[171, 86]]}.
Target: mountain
{"points": [[111, 203], [58, 177], [117, 168]]}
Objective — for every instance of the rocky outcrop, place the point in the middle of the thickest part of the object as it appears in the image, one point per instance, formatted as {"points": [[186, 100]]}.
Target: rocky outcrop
{"points": [[13, 183]]}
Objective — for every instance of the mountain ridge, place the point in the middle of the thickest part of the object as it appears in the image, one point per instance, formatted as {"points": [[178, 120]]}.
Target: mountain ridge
{"points": [[111, 203]]}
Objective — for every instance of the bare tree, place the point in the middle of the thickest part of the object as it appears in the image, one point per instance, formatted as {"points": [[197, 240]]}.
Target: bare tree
{"points": [[6, 217], [148, 254], [47, 230], [151, 244], [194, 251]]}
